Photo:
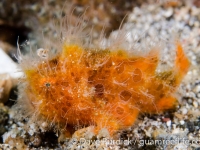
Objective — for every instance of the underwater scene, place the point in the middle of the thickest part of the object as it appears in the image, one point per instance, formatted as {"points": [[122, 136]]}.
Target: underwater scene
{"points": [[100, 75]]}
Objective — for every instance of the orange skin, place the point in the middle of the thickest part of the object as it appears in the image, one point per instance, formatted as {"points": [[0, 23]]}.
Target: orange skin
{"points": [[102, 88]]}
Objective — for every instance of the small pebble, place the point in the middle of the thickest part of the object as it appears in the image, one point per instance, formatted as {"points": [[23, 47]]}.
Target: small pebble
{"points": [[169, 123], [182, 122], [184, 111], [197, 89], [168, 13], [195, 104], [190, 126]]}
